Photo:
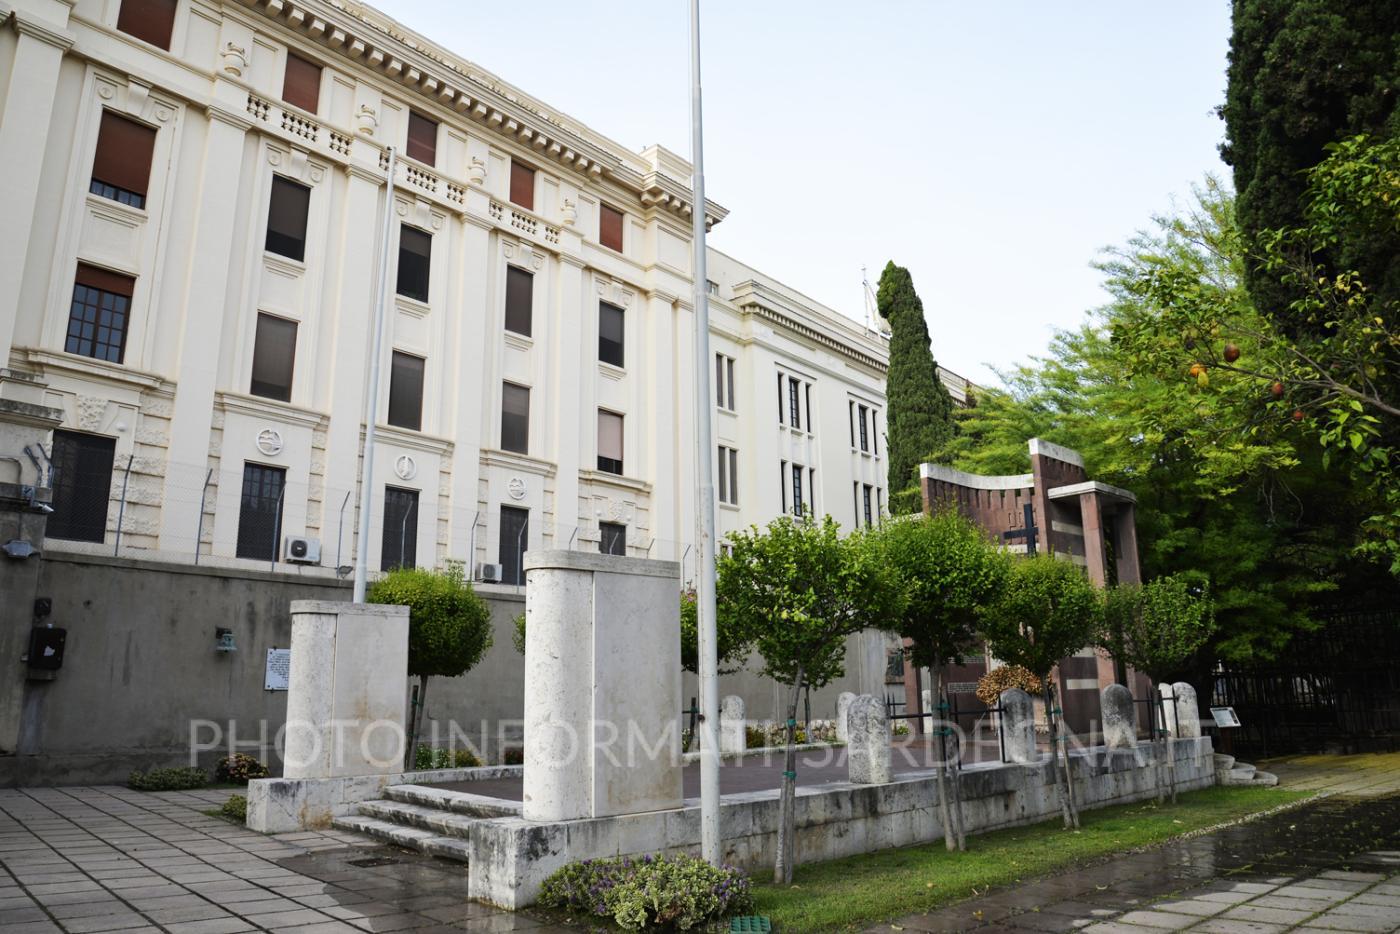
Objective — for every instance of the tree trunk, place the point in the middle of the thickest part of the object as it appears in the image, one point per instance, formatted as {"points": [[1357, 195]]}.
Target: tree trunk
{"points": [[787, 792], [1061, 780], [1160, 743], [950, 833], [1069, 775], [1171, 754], [408, 730]]}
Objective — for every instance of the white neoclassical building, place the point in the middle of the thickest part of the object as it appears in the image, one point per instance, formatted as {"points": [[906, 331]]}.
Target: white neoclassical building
{"points": [[193, 192]]}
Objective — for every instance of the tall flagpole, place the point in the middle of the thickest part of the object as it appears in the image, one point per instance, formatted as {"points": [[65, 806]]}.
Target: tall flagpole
{"points": [[372, 396], [710, 845]]}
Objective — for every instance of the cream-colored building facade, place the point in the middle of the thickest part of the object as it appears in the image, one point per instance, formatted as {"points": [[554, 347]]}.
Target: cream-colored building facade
{"points": [[210, 331]]}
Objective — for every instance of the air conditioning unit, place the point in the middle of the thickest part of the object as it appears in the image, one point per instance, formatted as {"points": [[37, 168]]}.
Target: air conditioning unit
{"points": [[303, 550], [489, 573]]}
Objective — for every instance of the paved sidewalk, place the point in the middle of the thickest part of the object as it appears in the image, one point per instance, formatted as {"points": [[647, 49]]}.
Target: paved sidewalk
{"points": [[1362, 776], [94, 859]]}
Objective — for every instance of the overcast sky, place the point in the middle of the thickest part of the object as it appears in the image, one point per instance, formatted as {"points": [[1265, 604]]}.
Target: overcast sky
{"points": [[992, 147]]}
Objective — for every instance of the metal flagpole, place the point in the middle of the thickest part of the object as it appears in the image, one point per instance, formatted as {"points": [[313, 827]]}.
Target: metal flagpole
{"points": [[710, 846], [372, 396]]}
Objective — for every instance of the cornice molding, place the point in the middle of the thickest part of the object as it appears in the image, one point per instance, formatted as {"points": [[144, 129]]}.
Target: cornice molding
{"points": [[753, 307], [47, 33]]}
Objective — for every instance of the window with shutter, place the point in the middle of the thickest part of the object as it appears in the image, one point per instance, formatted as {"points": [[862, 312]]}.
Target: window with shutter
{"points": [[415, 255], [301, 83], [611, 331], [520, 300], [422, 138], [522, 185], [515, 418], [148, 20], [100, 314], [610, 227], [406, 391], [609, 442], [121, 167], [287, 208], [274, 357]]}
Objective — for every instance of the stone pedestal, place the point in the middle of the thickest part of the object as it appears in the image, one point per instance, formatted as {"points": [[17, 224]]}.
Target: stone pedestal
{"points": [[1018, 726], [843, 708], [868, 754], [602, 686], [732, 723], [1119, 724]]}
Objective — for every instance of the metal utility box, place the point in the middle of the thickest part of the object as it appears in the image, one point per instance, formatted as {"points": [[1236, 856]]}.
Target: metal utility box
{"points": [[46, 647]]}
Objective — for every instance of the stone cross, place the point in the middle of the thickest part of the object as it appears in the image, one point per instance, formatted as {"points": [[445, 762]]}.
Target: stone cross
{"points": [[1018, 726], [1183, 717], [1119, 724], [732, 738], [868, 752], [843, 704]]}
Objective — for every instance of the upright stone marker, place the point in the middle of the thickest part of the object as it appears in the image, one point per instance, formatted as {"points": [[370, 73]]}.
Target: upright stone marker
{"points": [[732, 724], [602, 686], [927, 699], [843, 707], [1187, 716], [1018, 726], [868, 752], [1119, 724]]}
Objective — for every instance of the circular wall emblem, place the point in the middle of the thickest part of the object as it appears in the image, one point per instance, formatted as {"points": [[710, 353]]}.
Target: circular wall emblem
{"points": [[270, 442], [516, 488], [406, 467]]}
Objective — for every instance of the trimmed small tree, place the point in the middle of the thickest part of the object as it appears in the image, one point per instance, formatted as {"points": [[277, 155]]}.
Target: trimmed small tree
{"points": [[950, 572], [449, 628], [798, 589], [1155, 628], [920, 413], [1046, 611]]}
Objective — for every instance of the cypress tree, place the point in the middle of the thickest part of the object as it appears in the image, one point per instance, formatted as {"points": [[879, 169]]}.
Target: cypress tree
{"points": [[1303, 74], [920, 411]]}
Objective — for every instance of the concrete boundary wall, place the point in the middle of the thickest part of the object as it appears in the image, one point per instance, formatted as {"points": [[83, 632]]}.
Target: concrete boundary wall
{"points": [[511, 857]]}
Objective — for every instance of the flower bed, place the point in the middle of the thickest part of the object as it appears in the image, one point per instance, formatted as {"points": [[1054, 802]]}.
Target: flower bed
{"points": [[681, 892]]}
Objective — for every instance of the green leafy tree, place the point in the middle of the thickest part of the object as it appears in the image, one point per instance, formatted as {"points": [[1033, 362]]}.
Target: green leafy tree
{"points": [[1155, 628], [449, 627], [799, 589], [919, 409], [1046, 610], [733, 644], [950, 572]]}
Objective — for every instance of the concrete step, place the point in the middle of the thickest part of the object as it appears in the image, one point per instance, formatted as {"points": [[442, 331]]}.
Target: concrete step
{"points": [[413, 838], [1224, 763], [1244, 774], [1241, 771], [457, 802], [438, 821]]}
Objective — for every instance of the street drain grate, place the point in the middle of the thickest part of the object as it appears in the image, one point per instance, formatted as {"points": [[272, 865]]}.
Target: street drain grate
{"points": [[371, 861]]}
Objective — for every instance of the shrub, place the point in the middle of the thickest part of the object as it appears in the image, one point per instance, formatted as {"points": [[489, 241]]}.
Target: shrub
{"points": [[990, 685], [239, 769], [513, 755], [652, 891], [235, 808], [182, 779], [426, 757]]}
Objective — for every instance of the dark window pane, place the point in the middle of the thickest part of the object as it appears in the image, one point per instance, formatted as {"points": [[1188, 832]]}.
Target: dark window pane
{"points": [[515, 539], [274, 357], [286, 218], [422, 138], [399, 548], [610, 227], [733, 477], [719, 380], [406, 391], [729, 374], [515, 418], [869, 520], [82, 485], [796, 490], [611, 329], [148, 20], [260, 511], [520, 298], [522, 185], [98, 317], [794, 403], [612, 539], [121, 166], [415, 251], [301, 83], [864, 431]]}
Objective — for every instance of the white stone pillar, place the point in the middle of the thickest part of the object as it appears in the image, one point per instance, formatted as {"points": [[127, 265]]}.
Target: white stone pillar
{"points": [[346, 688], [868, 755], [602, 686], [1119, 724], [843, 709], [27, 106], [1018, 726], [732, 724]]}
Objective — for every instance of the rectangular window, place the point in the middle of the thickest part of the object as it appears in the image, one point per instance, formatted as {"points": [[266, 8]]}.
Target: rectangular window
{"points": [[851, 421], [100, 314], [301, 83], [522, 185], [797, 503], [794, 403], [611, 330], [148, 20], [724, 382], [610, 227], [712, 287], [274, 357], [520, 300], [728, 475], [515, 418], [811, 426], [399, 546], [515, 539], [879, 505], [874, 434], [609, 442], [82, 486], [865, 504], [812, 489], [422, 138], [406, 391], [260, 511], [864, 432], [612, 538], [121, 167], [783, 484], [286, 218], [415, 255], [733, 476], [781, 408]]}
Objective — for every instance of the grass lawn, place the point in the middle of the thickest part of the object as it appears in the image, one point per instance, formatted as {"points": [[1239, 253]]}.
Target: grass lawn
{"points": [[861, 890]]}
